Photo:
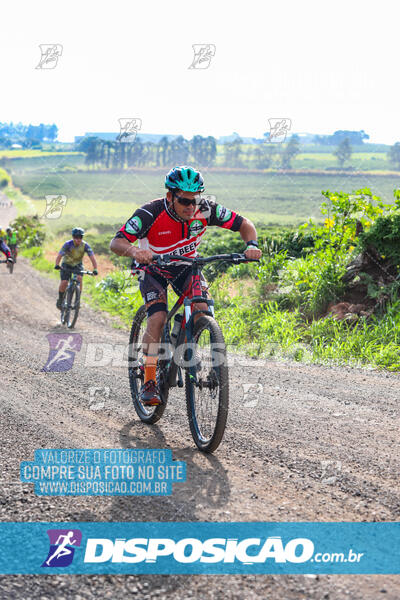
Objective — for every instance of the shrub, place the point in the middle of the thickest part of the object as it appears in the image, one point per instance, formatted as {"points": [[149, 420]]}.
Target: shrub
{"points": [[5, 179], [31, 232], [384, 236]]}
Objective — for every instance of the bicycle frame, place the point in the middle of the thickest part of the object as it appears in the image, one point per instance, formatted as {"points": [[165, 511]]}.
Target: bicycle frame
{"points": [[194, 295], [73, 283]]}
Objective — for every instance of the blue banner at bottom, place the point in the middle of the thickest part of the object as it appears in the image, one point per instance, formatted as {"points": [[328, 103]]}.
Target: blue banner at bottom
{"points": [[194, 548]]}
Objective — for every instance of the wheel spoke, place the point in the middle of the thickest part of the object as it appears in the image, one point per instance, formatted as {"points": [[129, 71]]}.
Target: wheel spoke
{"points": [[207, 396]]}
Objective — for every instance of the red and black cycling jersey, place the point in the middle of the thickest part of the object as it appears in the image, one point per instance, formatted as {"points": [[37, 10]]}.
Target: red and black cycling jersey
{"points": [[161, 230], [5, 249]]}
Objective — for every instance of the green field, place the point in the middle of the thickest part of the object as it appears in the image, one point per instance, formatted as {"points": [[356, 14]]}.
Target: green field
{"points": [[94, 196]]}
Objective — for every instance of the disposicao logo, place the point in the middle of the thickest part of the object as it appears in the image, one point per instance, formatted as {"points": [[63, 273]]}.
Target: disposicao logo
{"points": [[62, 547], [190, 550]]}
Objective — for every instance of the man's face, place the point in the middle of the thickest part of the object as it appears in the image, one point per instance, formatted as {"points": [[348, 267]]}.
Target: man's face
{"points": [[183, 211], [77, 240]]}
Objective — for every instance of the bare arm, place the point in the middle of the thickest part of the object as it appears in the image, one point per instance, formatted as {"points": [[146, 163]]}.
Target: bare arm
{"points": [[58, 259], [93, 261], [248, 232], [122, 247]]}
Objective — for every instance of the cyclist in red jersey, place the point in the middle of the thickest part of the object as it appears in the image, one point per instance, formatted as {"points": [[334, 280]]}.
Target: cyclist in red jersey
{"points": [[4, 248], [173, 225]]}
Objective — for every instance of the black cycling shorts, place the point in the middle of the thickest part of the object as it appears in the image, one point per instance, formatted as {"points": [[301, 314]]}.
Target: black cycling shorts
{"points": [[65, 274], [153, 285]]}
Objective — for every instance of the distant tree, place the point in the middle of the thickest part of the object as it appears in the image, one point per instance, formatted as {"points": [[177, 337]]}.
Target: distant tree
{"points": [[52, 132], [263, 156], [343, 152], [108, 147], [198, 149], [291, 150], [394, 155], [179, 151], [31, 132], [90, 146], [355, 137], [211, 144], [83, 144], [203, 150], [134, 153], [164, 148], [233, 153], [147, 157]]}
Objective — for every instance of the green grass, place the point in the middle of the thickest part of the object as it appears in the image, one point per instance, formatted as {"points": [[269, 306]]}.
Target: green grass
{"points": [[35, 255], [264, 197], [31, 153], [363, 161], [252, 322]]}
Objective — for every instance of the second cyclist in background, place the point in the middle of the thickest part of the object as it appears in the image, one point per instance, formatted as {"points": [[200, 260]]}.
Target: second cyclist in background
{"points": [[72, 254], [12, 243], [3, 246]]}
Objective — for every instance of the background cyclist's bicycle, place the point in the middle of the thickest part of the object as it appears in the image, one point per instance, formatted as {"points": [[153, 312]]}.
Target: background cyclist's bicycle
{"points": [[194, 351], [72, 297], [10, 265]]}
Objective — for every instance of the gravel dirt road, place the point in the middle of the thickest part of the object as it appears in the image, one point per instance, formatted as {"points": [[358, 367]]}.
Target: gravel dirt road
{"points": [[322, 444], [8, 212]]}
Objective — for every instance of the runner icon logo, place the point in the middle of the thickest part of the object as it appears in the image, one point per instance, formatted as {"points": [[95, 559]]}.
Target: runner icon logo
{"points": [[63, 347], [62, 547]]}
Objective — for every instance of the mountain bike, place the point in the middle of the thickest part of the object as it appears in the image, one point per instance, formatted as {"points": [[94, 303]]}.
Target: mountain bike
{"points": [[72, 297], [198, 355], [10, 266]]}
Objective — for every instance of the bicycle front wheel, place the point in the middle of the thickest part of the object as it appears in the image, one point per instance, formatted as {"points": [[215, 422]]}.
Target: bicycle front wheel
{"points": [[148, 414], [207, 400], [73, 300], [64, 314]]}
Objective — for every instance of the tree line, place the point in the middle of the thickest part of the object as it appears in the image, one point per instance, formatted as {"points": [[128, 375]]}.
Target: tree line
{"points": [[202, 150], [28, 136]]}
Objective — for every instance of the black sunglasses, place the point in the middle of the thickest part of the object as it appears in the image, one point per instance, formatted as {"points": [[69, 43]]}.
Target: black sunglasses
{"points": [[185, 201]]}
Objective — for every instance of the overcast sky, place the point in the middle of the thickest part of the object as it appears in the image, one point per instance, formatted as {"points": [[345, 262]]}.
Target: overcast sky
{"points": [[324, 65]]}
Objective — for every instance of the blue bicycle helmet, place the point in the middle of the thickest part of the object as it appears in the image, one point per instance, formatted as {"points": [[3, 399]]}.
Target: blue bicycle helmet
{"points": [[78, 232], [184, 178]]}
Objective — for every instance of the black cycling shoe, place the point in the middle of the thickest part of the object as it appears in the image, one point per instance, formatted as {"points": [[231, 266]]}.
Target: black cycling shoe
{"points": [[58, 303], [150, 394]]}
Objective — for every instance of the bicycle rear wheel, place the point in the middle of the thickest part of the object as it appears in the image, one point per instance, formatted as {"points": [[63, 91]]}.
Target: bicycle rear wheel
{"points": [[148, 414], [207, 402], [74, 298]]}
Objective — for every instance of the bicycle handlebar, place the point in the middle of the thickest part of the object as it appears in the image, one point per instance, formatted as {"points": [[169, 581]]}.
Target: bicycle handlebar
{"points": [[73, 269], [235, 257]]}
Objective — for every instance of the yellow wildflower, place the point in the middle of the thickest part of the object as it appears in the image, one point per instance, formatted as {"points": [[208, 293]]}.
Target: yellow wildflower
{"points": [[329, 223]]}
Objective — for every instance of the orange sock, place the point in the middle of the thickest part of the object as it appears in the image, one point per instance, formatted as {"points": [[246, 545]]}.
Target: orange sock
{"points": [[150, 367]]}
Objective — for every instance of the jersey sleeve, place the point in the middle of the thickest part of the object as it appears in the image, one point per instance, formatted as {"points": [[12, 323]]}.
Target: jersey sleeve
{"points": [[64, 249], [221, 216], [88, 249], [137, 227]]}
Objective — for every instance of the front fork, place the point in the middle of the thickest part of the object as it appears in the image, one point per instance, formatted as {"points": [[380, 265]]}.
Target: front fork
{"points": [[71, 285], [189, 319]]}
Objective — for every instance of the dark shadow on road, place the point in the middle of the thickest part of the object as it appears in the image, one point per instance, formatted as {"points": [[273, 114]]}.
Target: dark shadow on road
{"points": [[206, 486]]}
